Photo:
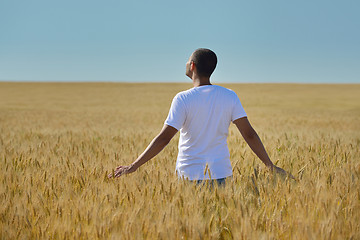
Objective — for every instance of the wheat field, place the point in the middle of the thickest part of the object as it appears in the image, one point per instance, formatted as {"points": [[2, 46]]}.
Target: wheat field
{"points": [[58, 142]]}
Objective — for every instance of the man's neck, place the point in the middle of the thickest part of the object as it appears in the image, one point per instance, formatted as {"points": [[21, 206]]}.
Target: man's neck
{"points": [[201, 81]]}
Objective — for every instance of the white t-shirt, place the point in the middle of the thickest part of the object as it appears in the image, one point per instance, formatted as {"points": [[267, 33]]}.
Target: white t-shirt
{"points": [[203, 115]]}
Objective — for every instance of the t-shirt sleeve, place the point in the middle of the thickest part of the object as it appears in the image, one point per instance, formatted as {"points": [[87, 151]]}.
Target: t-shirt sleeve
{"points": [[177, 113], [238, 110]]}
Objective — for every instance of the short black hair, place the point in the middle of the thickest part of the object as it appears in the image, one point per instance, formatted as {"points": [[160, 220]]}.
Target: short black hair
{"points": [[205, 61]]}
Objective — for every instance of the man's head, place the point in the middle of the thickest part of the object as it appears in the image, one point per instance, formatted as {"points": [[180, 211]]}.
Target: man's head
{"points": [[203, 60]]}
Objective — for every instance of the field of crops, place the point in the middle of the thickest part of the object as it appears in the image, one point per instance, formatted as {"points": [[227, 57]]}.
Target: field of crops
{"points": [[58, 142]]}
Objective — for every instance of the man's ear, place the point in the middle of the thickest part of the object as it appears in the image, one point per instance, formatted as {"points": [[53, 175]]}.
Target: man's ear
{"points": [[192, 66]]}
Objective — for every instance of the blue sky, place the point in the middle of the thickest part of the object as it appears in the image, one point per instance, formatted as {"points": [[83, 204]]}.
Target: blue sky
{"points": [[141, 41]]}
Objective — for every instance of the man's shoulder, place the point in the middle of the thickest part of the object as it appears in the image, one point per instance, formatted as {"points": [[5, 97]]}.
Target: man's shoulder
{"points": [[224, 89], [192, 92], [226, 93], [185, 93]]}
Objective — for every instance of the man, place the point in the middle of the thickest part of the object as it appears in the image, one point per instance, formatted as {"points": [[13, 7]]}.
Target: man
{"points": [[202, 114]]}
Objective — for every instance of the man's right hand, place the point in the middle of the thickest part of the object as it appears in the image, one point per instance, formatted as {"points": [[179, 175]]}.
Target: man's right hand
{"points": [[122, 170]]}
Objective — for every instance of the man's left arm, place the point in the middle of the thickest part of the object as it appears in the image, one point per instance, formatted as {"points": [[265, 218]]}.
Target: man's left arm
{"points": [[154, 148]]}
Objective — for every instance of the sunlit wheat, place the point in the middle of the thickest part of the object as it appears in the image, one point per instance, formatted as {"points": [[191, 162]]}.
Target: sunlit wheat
{"points": [[58, 142]]}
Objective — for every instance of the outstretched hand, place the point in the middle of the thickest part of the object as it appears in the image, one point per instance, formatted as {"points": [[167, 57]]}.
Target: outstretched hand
{"points": [[282, 172], [121, 170]]}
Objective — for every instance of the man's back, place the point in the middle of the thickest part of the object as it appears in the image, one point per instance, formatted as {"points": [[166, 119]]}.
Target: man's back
{"points": [[203, 115]]}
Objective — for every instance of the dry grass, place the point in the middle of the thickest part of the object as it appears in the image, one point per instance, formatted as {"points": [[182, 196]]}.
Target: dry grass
{"points": [[58, 140]]}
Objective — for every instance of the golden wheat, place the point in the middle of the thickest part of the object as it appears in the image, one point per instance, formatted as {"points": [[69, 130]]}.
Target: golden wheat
{"points": [[58, 141]]}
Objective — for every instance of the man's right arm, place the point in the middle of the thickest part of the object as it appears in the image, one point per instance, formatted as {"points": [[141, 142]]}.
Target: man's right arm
{"points": [[253, 140]]}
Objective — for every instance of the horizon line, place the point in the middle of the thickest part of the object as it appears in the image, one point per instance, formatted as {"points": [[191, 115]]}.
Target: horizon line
{"points": [[157, 82]]}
